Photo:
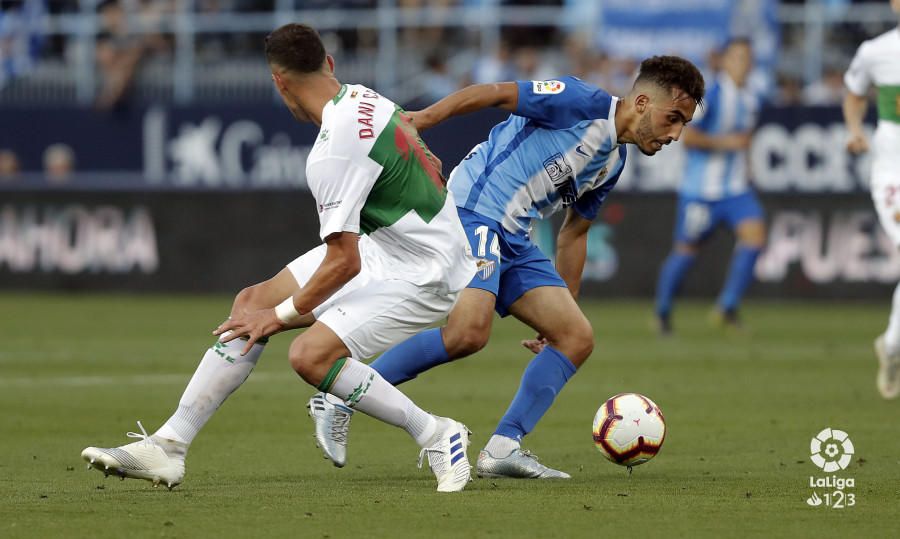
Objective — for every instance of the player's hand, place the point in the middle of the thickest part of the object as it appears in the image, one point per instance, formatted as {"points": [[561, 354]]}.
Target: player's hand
{"points": [[253, 325], [857, 144], [537, 344]]}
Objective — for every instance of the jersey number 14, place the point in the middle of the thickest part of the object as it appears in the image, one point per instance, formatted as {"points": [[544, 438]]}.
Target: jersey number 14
{"points": [[482, 232]]}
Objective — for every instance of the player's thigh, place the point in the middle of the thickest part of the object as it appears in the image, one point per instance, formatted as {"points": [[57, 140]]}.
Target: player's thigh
{"points": [[694, 221], [885, 188], [380, 314], [553, 312]]}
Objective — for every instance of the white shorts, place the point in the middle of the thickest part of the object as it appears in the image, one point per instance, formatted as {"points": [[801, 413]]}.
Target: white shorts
{"points": [[371, 315]]}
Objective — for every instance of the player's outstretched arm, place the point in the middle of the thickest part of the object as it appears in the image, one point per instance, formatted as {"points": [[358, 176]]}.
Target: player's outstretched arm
{"points": [[504, 95], [854, 111]]}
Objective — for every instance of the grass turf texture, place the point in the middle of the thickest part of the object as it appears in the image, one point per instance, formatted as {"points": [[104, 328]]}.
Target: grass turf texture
{"points": [[741, 409]]}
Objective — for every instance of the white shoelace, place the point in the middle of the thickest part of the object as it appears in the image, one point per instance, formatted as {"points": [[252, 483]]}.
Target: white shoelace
{"points": [[141, 435], [339, 426]]}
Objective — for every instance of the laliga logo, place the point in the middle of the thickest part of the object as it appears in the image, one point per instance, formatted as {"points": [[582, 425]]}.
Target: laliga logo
{"points": [[826, 447]]}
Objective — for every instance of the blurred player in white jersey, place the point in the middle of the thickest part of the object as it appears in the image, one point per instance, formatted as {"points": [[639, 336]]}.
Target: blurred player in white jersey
{"points": [[561, 149], [715, 189], [370, 174], [877, 63]]}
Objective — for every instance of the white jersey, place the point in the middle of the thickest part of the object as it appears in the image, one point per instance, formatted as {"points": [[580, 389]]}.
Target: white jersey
{"points": [[370, 174], [877, 62]]}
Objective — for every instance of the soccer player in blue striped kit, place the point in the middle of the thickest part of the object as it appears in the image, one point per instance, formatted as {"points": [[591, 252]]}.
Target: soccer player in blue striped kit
{"points": [[715, 189], [563, 147]]}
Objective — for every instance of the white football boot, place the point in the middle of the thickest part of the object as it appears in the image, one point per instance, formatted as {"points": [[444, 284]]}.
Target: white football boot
{"points": [[888, 379], [332, 420], [446, 452], [145, 459]]}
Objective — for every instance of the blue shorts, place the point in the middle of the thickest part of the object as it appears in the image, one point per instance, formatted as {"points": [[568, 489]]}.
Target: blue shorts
{"points": [[697, 218], [508, 264]]}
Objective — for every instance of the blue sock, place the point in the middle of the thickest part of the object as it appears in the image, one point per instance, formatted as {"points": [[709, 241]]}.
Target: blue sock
{"points": [[413, 356], [740, 275], [673, 271], [543, 379]]}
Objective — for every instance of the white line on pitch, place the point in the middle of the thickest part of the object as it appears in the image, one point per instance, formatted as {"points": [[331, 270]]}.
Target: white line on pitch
{"points": [[105, 380]]}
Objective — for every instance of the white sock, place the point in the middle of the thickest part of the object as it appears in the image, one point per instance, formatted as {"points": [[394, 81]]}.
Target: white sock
{"points": [[222, 370], [500, 446], [365, 390], [892, 333]]}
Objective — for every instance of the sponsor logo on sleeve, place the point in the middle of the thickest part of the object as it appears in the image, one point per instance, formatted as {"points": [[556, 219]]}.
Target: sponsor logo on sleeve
{"points": [[329, 206], [548, 86]]}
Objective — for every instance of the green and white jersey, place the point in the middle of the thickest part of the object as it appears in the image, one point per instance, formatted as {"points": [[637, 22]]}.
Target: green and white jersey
{"points": [[370, 174], [877, 62]]}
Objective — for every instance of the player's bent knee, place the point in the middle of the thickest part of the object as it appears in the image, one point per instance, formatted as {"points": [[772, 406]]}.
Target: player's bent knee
{"points": [[462, 343], [302, 361], [576, 342], [246, 300]]}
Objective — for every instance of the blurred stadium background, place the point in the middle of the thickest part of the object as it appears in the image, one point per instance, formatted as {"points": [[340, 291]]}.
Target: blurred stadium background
{"points": [[136, 133]]}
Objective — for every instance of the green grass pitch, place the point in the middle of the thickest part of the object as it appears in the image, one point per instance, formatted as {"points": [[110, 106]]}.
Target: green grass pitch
{"points": [[78, 370]]}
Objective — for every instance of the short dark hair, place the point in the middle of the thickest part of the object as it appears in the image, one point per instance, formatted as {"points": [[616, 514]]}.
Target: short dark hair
{"points": [[669, 72], [295, 47]]}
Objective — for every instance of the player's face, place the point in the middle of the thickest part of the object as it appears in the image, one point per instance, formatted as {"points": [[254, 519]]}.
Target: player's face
{"points": [[738, 61], [663, 121]]}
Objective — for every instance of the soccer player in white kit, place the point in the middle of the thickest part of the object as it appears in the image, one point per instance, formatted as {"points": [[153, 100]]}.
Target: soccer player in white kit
{"points": [[877, 62], [370, 174]]}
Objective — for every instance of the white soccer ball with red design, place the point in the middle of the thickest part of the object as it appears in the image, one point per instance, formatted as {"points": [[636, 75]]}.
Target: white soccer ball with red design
{"points": [[629, 429]]}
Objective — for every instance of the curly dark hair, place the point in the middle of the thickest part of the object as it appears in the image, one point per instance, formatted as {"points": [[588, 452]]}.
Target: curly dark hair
{"points": [[669, 72], [295, 47]]}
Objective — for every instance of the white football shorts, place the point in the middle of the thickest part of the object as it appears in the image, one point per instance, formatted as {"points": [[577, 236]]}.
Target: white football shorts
{"points": [[370, 315]]}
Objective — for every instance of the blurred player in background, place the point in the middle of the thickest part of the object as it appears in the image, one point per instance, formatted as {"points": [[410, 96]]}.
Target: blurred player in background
{"points": [[715, 189], [370, 173], [563, 148], [877, 62]]}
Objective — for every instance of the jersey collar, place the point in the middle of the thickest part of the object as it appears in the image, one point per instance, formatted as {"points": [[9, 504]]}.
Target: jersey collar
{"points": [[613, 137]]}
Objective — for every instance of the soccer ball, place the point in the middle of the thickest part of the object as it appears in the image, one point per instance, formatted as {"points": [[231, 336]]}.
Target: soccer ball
{"points": [[629, 429]]}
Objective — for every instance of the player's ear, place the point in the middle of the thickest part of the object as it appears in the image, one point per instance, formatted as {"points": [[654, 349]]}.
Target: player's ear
{"points": [[641, 101], [279, 81], [329, 61]]}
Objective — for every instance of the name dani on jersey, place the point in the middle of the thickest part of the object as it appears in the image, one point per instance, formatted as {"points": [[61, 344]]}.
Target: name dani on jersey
{"points": [[365, 113]]}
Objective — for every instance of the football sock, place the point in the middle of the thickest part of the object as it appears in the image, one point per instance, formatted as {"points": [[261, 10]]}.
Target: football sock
{"points": [[413, 356], [222, 370], [364, 389], [740, 275], [892, 334], [673, 271], [543, 379], [500, 446]]}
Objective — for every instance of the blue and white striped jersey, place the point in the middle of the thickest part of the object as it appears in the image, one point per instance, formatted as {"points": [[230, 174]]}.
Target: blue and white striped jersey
{"points": [[714, 175], [557, 150]]}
